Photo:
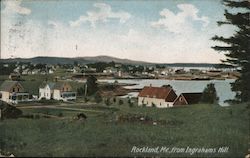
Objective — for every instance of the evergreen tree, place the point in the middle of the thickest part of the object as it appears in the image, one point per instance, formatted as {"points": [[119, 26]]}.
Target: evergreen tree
{"points": [[209, 94], [80, 91], [91, 85], [238, 47]]}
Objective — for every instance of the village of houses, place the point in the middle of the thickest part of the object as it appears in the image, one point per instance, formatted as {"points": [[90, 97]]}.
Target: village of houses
{"points": [[162, 97], [12, 91]]}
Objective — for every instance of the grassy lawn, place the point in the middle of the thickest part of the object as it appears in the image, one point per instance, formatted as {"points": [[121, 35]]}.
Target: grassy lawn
{"points": [[196, 126]]}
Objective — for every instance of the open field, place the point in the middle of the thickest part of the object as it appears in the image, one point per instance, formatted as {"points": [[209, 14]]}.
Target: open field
{"points": [[196, 126]]}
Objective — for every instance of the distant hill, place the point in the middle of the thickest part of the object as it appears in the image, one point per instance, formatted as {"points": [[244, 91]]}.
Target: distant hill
{"points": [[80, 60], [110, 59], [87, 60]]}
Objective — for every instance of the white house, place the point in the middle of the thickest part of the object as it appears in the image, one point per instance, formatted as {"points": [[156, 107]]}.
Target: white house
{"points": [[160, 97], [13, 92], [57, 90]]}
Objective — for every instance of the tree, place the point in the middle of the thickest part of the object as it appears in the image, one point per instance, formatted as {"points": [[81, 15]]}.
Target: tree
{"points": [[209, 94], [107, 101], [91, 85], [130, 103], [98, 98], [114, 99], [80, 91], [120, 102], [167, 86], [237, 46]]}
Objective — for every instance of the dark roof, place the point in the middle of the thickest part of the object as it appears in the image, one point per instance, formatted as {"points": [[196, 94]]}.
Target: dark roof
{"points": [[155, 92], [58, 85], [53, 85], [7, 85], [192, 98]]}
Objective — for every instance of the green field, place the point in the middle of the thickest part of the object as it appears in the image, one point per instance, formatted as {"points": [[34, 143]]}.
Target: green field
{"points": [[195, 126]]}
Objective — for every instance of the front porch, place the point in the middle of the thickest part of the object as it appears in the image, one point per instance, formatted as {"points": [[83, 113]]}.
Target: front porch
{"points": [[20, 97], [66, 96]]}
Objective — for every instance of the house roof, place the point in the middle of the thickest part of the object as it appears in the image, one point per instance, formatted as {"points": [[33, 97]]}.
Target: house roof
{"points": [[192, 98], [7, 85], [155, 92], [53, 85]]}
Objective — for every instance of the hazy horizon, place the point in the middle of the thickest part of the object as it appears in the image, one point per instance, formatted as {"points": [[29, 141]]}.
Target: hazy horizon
{"points": [[151, 31]]}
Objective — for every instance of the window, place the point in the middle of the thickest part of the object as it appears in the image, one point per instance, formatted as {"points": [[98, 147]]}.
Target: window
{"points": [[13, 90], [180, 99], [18, 89]]}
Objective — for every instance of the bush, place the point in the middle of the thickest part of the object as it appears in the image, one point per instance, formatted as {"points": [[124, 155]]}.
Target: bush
{"points": [[130, 103], [80, 91], [107, 101], [98, 98], [114, 100], [209, 94], [60, 114], [120, 102], [9, 111], [81, 116], [86, 99], [153, 105]]}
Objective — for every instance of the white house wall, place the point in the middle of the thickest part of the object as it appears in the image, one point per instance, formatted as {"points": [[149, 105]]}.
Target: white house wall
{"points": [[5, 96], [159, 103], [45, 92], [57, 94]]}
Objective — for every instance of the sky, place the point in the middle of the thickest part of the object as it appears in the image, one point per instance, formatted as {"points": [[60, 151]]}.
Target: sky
{"points": [[162, 31]]}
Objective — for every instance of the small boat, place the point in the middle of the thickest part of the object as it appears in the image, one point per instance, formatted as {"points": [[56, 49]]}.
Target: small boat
{"points": [[201, 78]]}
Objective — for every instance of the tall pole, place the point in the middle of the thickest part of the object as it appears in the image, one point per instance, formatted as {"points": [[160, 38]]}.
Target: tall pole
{"points": [[86, 87]]}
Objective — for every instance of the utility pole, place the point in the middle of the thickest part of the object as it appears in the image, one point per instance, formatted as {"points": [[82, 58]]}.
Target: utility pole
{"points": [[86, 89]]}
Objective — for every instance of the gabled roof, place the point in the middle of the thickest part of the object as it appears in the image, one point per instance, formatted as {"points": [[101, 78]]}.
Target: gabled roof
{"points": [[58, 85], [7, 85], [192, 98], [53, 85], [155, 92]]}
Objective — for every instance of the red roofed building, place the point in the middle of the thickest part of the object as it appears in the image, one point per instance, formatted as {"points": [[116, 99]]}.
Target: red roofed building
{"points": [[161, 97]]}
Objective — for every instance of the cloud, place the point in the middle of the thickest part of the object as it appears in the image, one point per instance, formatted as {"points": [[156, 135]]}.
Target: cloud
{"points": [[22, 37], [103, 14], [14, 6], [180, 22]]}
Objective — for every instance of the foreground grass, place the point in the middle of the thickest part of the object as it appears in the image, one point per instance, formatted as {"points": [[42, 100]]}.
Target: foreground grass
{"points": [[198, 126]]}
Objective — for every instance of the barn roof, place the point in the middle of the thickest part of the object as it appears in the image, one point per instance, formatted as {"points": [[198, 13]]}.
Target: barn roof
{"points": [[192, 98], [7, 85], [155, 92]]}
